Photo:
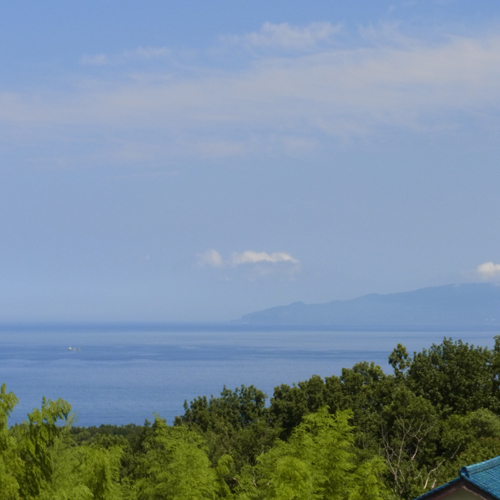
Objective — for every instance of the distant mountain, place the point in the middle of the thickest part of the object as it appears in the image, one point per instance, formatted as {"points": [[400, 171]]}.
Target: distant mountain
{"points": [[471, 304]]}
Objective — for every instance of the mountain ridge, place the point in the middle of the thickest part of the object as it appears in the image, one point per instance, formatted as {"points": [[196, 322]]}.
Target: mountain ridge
{"points": [[475, 304]]}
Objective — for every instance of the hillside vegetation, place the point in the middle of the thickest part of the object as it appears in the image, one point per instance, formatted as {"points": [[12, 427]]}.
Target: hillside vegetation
{"points": [[362, 435]]}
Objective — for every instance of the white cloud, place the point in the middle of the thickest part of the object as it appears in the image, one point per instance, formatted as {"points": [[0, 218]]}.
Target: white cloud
{"points": [[251, 257], [254, 265], [210, 258], [140, 53], [285, 36], [147, 53], [489, 271]]}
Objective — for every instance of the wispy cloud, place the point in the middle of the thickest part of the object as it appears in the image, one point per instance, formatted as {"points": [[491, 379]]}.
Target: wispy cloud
{"points": [[268, 105], [147, 53], [288, 37], [95, 60], [489, 271], [138, 54]]}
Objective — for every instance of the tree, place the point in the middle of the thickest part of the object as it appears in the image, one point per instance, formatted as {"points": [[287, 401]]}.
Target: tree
{"points": [[10, 463], [36, 446], [236, 424], [175, 466], [84, 472], [319, 461], [456, 377], [290, 404], [467, 439], [409, 431]]}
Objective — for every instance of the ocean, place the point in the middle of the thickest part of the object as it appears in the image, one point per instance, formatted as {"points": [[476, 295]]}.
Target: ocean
{"points": [[127, 375]]}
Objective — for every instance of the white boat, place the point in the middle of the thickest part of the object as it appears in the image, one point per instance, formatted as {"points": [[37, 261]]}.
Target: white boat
{"points": [[74, 349]]}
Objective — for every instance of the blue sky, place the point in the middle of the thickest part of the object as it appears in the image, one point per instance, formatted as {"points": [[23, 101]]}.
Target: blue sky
{"points": [[191, 161]]}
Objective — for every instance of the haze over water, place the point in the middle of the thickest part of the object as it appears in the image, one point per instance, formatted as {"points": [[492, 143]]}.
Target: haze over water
{"points": [[125, 376]]}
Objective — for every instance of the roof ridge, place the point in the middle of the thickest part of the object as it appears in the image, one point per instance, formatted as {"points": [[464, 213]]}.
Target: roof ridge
{"points": [[468, 470]]}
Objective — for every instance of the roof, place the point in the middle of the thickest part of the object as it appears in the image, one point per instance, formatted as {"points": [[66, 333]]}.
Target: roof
{"points": [[480, 477], [485, 475]]}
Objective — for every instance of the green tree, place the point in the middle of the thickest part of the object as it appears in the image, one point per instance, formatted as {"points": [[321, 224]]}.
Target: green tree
{"points": [[10, 462], [36, 447], [175, 466], [290, 404], [319, 461], [467, 439], [409, 432], [236, 424], [84, 472], [456, 377]]}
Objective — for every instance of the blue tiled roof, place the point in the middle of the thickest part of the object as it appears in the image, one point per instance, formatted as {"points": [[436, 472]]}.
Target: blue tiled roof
{"points": [[485, 475]]}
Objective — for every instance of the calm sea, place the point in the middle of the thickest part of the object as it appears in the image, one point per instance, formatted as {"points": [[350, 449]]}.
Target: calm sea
{"points": [[124, 376]]}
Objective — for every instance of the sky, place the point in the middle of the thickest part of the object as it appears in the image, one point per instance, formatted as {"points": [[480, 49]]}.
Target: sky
{"points": [[196, 161]]}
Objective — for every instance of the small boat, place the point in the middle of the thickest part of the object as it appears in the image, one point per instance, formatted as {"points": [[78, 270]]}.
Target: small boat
{"points": [[74, 349]]}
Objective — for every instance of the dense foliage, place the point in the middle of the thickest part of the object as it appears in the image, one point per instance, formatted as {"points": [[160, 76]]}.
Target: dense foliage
{"points": [[362, 435]]}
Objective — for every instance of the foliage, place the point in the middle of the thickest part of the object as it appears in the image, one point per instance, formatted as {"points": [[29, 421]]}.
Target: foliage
{"points": [[235, 424], [318, 461], [175, 466], [407, 417], [38, 439], [365, 434], [457, 377], [10, 463], [409, 432]]}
